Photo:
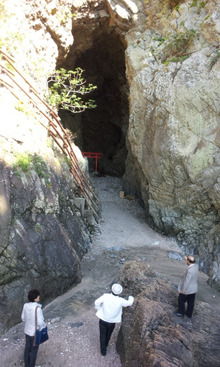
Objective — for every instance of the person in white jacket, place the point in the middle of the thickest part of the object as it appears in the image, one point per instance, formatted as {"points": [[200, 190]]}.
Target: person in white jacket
{"points": [[28, 316], [109, 310]]}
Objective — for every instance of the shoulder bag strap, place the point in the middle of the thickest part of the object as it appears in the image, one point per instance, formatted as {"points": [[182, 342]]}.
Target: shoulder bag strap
{"points": [[35, 324]]}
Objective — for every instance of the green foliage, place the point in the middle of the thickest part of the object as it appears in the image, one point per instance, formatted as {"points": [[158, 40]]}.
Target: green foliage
{"points": [[173, 48], [177, 7], [10, 37], [176, 59], [202, 4], [26, 162], [207, 17], [66, 89], [23, 162], [194, 3], [178, 44], [20, 106], [39, 165], [161, 40], [64, 15], [68, 161], [181, 41]]}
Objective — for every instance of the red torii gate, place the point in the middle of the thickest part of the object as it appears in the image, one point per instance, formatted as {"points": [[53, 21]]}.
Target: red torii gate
{"points": [[92, 155]]}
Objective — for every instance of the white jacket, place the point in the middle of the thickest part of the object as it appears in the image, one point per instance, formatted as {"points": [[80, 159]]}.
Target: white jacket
{"points": [[28, 316], [110, 306]]}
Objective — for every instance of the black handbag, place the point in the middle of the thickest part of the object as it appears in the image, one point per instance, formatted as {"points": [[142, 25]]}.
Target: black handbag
{"points": [[40, 335]]}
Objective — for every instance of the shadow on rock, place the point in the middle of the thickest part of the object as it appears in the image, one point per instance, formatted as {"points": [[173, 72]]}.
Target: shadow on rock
{"points": [[151, 335]]}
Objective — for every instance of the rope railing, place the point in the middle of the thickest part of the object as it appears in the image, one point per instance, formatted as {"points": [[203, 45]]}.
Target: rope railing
{"points": [[55, 128]]}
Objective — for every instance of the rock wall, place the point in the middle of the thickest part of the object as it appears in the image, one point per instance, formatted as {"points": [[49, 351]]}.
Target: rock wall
{"points": [[43, 235], [174, 127]]}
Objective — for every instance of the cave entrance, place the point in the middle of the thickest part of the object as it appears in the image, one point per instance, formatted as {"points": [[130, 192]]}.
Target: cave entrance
{"points": [[103, 129]]}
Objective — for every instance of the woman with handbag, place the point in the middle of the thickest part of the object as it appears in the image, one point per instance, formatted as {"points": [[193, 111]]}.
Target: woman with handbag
{"points": [[33, 318]]}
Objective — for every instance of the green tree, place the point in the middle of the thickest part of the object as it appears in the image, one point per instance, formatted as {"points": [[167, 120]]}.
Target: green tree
{"points": [[66, 89]]}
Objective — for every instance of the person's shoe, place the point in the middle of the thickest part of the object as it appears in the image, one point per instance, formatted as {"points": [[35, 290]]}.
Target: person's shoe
{"points": [[178, 314], [103, 354]]}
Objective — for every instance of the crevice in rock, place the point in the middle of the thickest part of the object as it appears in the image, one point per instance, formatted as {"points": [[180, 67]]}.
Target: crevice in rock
{"points": [[103, 129]]}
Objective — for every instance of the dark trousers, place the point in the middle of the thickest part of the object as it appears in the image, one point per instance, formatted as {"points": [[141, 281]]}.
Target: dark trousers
{"points": [[190, 299], [106, 329], [30, 352]]}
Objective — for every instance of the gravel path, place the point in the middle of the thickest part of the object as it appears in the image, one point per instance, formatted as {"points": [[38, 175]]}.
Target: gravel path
{"points": [[121, 235]]}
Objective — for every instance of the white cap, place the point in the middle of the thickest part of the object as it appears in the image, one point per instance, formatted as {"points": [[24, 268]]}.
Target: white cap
{"points": [[117, 289]]}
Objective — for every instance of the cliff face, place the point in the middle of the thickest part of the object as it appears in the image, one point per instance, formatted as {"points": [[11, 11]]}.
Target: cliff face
{"points": [[174, 125], [43, 235]]}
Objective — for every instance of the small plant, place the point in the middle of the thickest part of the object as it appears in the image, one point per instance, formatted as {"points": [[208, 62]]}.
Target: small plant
{"points": [[23, 162], [68, 161], [20, 106], [26, 161], [177, 7], [202, 4], [194, 3], [176, 59], [39, 165], [178, 44], [64, 16], [66, 89], [161, 40]]}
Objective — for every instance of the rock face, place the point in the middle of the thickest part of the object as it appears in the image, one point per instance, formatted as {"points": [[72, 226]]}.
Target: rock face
{"points": [[43, 235], [174, 127], [152, 336]]}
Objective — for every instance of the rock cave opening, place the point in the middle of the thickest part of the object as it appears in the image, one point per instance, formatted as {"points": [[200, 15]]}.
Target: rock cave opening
{"points": [[104, 128]]}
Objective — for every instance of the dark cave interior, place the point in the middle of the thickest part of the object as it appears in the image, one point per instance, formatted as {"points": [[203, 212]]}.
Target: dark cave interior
{"points": [[104, 128]]}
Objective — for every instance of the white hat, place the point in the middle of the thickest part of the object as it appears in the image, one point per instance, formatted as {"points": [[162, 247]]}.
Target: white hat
{"points": [[117, 289]]}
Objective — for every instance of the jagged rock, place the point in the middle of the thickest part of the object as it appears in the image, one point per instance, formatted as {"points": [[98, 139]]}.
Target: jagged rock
{"points": [[152, 336]]}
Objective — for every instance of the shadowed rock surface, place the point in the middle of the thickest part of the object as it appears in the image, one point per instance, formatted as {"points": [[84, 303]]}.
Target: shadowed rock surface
{"points": [[43, 236], [152, 336]]}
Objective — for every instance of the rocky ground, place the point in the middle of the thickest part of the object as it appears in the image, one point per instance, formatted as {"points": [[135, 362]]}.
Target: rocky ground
{"points": [[121, 235]]}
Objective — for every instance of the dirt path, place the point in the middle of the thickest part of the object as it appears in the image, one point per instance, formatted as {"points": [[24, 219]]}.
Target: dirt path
{"points": [[73, 327]]}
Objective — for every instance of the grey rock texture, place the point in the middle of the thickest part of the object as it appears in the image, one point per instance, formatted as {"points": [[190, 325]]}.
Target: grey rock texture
{"points": [[173, 135], [43, 234], [152, 336]]}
